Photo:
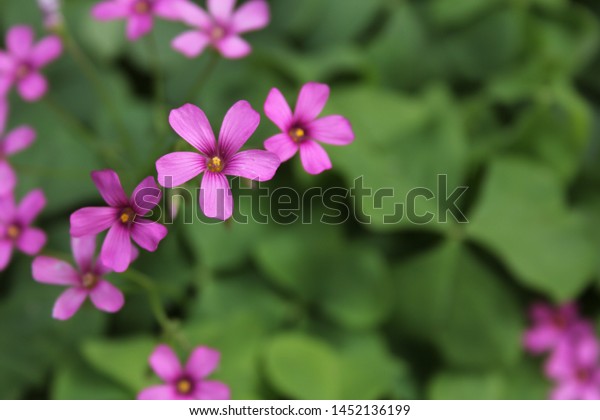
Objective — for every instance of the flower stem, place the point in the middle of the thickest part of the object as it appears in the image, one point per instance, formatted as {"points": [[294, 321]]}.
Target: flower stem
{"points": [[213, 60]]}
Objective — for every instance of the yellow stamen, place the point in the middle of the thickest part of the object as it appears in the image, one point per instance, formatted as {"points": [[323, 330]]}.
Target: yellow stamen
{"points": [[217, 33], [297, 134], [215, 164], [142, 7], [127, 216], [13, 232], [184, 386], [89, 280]]}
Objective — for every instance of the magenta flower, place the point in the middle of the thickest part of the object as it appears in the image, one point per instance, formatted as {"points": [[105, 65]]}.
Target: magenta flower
{"points": [[86, 281], [185, 383], [139, 13], [11, 143], [216, 160], [124, 219], [21, 64], [15, 226], [550, 326], [574, 365], [221, 27], [301, 130]]}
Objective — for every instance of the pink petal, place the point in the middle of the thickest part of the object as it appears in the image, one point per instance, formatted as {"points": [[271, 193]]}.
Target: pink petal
{"points": [[18, 139], [169, 9], [202, 362], [251, 16], [311, 101], [116, 250], [54, 271], [540, 339], [191, 124], [6, 83], [194, 15], [282, 145], [233, 47], [165, 363], [138, 26], [6, 250], [566, 391], [239, 124], [190, 43], [8, 178], [3, 113], [278, 110], [314, 158], [148, 234], [159, 392], [109, 187], [258, 165], [30, 207], [334, 129], [31, 241], [47, 50], [212, 390], [32, 87], [146, 196], [110, 10], [7, 63], [178, 168], [83, 252], [216, 200], [107, 297], [221, 9], [92, 220], [8, 209], [68, 303], [19, 41]]}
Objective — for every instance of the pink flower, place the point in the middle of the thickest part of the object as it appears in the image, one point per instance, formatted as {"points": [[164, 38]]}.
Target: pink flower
{"points": [[22, 62], [13, 142], [301, 130], [139, 13], [85, 282], [574, 365], [51, 13], [15, 226], [221, 27], [216, 160], [124, 219], [185, 383], [550, 326]]}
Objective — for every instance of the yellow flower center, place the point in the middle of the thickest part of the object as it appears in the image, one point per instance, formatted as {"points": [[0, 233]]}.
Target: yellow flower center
{"points": [[215, 164], [297, 134], [13, 232], [184, 386], [89, 280], [127, 216], [217, 33], [142, 7]]}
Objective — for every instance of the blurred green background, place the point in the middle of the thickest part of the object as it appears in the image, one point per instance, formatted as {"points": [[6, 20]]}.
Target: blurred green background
{"points": [[500, 95]]}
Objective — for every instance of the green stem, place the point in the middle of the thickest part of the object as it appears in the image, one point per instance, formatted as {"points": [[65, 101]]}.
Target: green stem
{"points": [[159, 88], [203, 77]]}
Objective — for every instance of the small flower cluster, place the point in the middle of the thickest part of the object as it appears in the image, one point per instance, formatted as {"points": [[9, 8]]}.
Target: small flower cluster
{"points": [[574, 363]]}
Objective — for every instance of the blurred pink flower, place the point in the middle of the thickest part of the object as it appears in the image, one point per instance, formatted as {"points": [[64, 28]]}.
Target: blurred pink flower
{"points": [[51, 13], [11, 143], [86, 281], [216, 160], [139, 13], [124, 219], [221, 27], [301, 130], [185, 383], [20, 65], [15, 226], [550, 326]]}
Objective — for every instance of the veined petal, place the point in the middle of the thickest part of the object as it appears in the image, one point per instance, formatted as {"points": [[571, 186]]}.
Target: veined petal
{"points": [[311, 101], [239, 124], [222, 10], [109, 10], [116, 250], [251, 16], [8, 178], [47, 50], [334, 129], [68, 303], [109, 186], [6, 250], [212, 390], [19, 41], [92, 220], [178, 168], [216, 200], [107, 297], [165, 363], [32, 87], [146, 196], [18, 139], [30, 207], [138, 26], [191, 124], [233, 47], [278, 110], [314, 158], [282, 145], [31, 241], [54, 271], [194, 15], [83, 252], [191, 43], [148, 234], [202, 362], [258, 165]]}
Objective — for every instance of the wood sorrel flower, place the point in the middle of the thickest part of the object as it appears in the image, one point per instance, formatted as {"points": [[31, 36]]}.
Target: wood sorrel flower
{"points": [[221, 27], [216, 160], [13, 142], [550, 326], [301, 130], [20, 65], [86, 281], [124, 219], [185, 383], [139, 13], [15, 226]]}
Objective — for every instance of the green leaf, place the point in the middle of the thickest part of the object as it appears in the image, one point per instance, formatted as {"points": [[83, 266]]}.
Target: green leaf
{"points": [[76, 381]]}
